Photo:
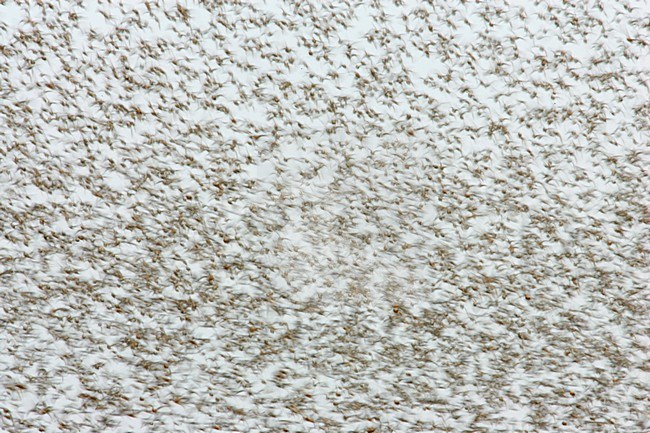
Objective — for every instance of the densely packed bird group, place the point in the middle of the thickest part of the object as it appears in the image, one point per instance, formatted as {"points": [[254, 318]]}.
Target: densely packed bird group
{"points": [[335, 216]]}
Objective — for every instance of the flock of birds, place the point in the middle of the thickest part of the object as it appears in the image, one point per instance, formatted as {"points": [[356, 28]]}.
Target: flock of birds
{"points": [[332, 216]]}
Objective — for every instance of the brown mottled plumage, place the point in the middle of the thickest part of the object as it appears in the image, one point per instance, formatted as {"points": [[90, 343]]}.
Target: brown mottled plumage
{"points": [[323, 216]]}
